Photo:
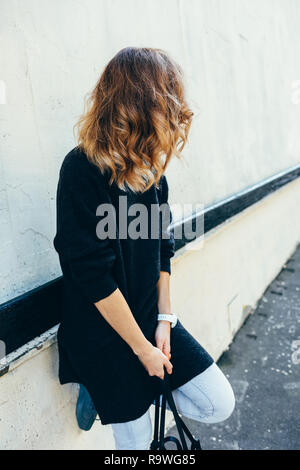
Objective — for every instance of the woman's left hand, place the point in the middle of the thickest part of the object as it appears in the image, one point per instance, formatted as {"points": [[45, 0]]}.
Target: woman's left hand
{"points": [[162, 337]]}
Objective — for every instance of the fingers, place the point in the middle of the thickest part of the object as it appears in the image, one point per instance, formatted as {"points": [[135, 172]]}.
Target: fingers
{"points": [[164, 347], [168, 366], [159, 361], [160, 344], [167, 349]]}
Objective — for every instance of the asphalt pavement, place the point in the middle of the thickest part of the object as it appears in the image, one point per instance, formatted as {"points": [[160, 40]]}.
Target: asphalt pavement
{"points": [[263, 367]]}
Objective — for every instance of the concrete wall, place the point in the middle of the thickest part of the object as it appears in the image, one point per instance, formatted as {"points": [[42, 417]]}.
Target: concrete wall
{"points": [[241, 62], [242, 65]]}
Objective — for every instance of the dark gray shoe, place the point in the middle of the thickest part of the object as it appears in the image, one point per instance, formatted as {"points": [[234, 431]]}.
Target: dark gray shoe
{"points": [[85, 410]]}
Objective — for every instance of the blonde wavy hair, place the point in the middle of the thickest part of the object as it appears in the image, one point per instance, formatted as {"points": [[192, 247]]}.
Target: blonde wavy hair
{"points": [[135, 118]]}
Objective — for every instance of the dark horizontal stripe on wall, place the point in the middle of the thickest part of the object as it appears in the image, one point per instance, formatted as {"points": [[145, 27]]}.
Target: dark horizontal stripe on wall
{"points": [[30, 314], [33, 313], [221, 211]]}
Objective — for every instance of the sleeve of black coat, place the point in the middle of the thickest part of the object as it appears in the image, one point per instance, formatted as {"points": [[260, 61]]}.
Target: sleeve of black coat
{"points": [[90, 259], [167, 245]]}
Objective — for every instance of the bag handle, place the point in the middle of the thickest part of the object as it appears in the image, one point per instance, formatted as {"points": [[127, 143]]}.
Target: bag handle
{"points": [[159, 440]]}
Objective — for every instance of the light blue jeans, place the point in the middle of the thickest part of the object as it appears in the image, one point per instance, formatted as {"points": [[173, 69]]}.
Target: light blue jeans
{"points": [[207, 398]]}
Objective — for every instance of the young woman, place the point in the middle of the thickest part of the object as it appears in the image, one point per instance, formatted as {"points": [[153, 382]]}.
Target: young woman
{"points": [[112, 338]]}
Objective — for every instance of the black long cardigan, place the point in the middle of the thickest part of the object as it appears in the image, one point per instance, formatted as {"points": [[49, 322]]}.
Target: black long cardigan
{"points": [[90, 351]]}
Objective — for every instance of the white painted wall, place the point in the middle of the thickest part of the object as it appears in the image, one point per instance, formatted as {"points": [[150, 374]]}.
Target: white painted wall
{"points": [[241, 62], [240, 58]]}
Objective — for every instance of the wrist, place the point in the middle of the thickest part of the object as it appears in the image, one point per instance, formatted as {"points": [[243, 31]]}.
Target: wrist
{"points": [[144, 348], [164, 324]]}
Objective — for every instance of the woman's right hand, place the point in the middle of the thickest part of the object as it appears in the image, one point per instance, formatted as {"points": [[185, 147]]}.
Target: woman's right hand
{"points": [[154, 361]]}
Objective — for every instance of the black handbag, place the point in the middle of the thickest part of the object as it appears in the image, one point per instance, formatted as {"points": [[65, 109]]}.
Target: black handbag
{"points": [[159, 439]]}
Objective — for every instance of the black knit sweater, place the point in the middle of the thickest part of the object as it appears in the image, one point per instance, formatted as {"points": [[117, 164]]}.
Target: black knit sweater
{"points": [[90, 351]]}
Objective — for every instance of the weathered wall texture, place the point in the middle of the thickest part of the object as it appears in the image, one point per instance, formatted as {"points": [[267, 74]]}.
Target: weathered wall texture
{"points": [[242, 64], [241, 61]]}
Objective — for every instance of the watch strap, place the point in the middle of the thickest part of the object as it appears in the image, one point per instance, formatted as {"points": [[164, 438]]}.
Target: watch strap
{"points": [[168, 317]]}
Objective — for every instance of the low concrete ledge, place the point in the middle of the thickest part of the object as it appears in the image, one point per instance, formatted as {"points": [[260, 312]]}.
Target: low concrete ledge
{"points": [[29, 350]]}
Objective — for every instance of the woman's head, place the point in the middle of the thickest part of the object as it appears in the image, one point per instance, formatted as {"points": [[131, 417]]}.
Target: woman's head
{"points": [[136, 117]]}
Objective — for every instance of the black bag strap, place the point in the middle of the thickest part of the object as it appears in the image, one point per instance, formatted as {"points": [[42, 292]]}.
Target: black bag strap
{"points": [[155, 442], [159, 439], [159, 424]]}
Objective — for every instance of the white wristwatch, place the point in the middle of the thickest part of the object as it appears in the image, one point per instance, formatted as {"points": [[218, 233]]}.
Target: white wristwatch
{"points": [[168, 317]]}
